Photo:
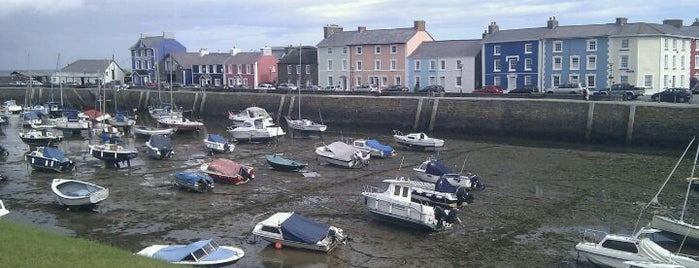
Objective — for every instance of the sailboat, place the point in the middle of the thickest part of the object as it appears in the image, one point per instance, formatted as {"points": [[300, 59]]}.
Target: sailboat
{"points": [[174, 118], [111, 150], [305, 125]]}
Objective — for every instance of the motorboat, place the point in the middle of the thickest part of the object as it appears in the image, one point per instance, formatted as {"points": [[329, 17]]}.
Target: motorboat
{"points": [[43, 137], [194, 181], [305, 125], [30, 119], [614, 250], [160, 147], [3, 209], [228, 171], [441, 194], [219, 144], [104, 128], [396, 204], [180, 122], [248, 113], [284, 164], [78, 193], [122, 119], [374, 148], [71, 121], [256, 129], [160, 109], [97, 116], [342, 154], [293, 230], [112, 152], [147, 131], [433, 170], [49, 159], [417, 140], [203, 252], [12, 107]]}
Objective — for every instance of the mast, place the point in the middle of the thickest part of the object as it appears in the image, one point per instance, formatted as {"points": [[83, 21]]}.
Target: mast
{"points": [[690, 181], [59, 78], [298, 83]]}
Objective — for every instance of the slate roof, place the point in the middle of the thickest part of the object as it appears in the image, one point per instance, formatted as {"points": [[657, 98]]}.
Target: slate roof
{"points": [[582, 31], [691, 30], [87, 66], [244, 58], [642, 28], [150, 41], [369, 37], [308, 55], [514, 35], [450, 49], [187, 59]]}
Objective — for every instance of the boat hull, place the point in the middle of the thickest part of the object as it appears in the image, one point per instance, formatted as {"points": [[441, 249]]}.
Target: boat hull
{"points": [[401, 213], [150, 131], [341, 163], [49, 164], [283, 164], [233, 253], [257, 135], [605, 258], [676, 229], [294, 244], [112, 154], [219, 147], [78, 193]]}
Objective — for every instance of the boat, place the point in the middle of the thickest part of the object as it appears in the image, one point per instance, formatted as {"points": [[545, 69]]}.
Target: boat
{"points": [[417, 140], [203, 252], [160, 147], [30, 119], [12, 107], [441, 194], [219, 144], [71, 122], [651, 264], [228, 171], [300, 123], [374, 148], [49, 159], [280, 163], [121, 119], [194, 181], [141, 130], [78, 193], [111, 131], [95, 115], [256, 129], [293, 230], [342, 154], [248, 113], [43, 137], [181, 123], [433, 170], [615, 250], [396, 204], [3, 210], [112, 152], [160, 109]]}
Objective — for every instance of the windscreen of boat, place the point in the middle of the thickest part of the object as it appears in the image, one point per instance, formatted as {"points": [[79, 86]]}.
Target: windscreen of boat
{"points": [[160, 141], [216, 138], [301, 229], [173, 254], [51, 152]]}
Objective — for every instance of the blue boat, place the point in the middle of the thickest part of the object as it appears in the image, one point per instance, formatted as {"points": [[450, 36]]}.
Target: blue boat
{"points": [[160, 147], [49, 159], [203, 252], [281, 163], [194, 181], [375, 148], [433, 170], [218, 144]]}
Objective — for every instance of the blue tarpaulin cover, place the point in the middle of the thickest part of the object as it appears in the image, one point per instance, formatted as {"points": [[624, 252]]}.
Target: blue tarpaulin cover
{"points": [[444, 186], [437, 168], [31, 115], [51, 152], [387, 150], [193, 177], [216, 138], [301, 229], [175, 253], [161, 141]]}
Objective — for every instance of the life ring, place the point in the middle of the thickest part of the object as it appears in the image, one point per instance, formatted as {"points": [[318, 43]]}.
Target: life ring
{"points": [[278, 244]]}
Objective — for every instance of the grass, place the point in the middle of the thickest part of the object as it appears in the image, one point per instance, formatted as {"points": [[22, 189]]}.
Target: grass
{"points": [[22, 246]]}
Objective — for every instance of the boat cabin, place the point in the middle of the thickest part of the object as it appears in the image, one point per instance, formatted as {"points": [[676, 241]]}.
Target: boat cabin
{"points": [[400, 191]]}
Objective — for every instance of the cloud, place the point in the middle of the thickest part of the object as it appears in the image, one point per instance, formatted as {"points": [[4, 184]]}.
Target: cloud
{"points": [[37, 7]]}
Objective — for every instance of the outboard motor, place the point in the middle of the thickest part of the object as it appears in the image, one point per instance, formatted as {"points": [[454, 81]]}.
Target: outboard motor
{"points": [[463, 196], [476, 182], [452, 216], [440, 215]]}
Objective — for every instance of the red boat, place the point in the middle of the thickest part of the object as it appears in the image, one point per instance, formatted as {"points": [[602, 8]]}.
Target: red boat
{"points": [[228, 171]]}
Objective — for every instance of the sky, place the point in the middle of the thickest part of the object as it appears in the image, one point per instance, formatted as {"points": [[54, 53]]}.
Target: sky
{"points": [[35, 32]]}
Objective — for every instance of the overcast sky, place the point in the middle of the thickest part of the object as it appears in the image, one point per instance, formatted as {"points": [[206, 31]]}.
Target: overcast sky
{"points": [[34, 32]]}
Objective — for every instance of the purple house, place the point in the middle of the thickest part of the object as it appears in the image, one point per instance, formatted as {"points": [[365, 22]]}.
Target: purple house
{"points": [[147, 52]]}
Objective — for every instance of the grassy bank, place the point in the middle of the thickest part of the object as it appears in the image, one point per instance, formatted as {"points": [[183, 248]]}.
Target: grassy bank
{"points": [[22, 246]]}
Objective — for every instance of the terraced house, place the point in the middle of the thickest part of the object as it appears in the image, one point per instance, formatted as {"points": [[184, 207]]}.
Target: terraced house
{"points": [[453, 64], [147, 52]]}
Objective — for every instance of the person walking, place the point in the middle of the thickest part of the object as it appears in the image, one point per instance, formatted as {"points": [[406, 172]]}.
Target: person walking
{"points": [[585, 93]]}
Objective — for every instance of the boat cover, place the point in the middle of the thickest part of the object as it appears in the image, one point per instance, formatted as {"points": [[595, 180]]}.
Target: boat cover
{"points": [[160, 141], [51, 152], [216, 138], [92, 114], [121, 116], [30, 116], [110, 140], [342, 151], [655, 251], [301, 229], [387, 150], [193, 177], [443, 186], [175, 254], [225, 166], [435, 167], [71, 115]]}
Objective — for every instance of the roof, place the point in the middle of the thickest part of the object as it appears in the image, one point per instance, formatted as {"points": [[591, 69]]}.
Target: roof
{"points": [[150, 41], [515, 35], [369, 37], [188, 59], [244, 58], [308, 55], [87, 66], [453, 48], [577, 31]]}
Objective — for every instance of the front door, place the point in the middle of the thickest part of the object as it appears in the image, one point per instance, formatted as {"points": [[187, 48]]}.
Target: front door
{"points": [[511, 81]]}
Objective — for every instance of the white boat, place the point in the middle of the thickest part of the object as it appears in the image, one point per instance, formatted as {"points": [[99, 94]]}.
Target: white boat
{"points": [[305, 125], [149, 131], [112, 152], [615, 250], [249, 113], [12, 107], [40, 137], [78, 193], [160, 147], [342, 154], [440, 194], [218, 143], [70, 121], [417, 140], [256, 129], [181, 123], [104, 128], [374, 148], [433, 170], [203, 252], [3, 210], [293, 230], [396, 204]]}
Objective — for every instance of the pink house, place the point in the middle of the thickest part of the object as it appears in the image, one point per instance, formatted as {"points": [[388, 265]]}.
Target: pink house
{"points": [[249, 69]]}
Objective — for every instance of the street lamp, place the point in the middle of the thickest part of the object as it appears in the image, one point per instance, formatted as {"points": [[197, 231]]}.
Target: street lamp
{"points": [[461, 83]]}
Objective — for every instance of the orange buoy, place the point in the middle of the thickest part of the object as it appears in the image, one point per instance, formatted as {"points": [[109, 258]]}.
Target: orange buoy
{"points": [[278, 244]]}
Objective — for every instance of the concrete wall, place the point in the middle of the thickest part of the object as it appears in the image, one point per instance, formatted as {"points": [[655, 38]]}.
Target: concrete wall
{"points": [[606, 122]]}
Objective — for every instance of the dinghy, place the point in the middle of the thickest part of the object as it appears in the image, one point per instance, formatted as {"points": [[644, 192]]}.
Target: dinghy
{"points": [[203, 252], [78, 193]]}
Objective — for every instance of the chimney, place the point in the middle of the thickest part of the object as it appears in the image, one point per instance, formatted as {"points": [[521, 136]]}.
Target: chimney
{"points": [[621, 21], [674, 22], [266, 51], [493, 28], [234, 51], [419, 25], [552, 23], [361, 29], [696, 22], [203, 51], [168, 35], [330, 29]]}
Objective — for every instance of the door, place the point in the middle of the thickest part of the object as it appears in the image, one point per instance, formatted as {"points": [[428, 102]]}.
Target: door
{"points": [[511, 81]]}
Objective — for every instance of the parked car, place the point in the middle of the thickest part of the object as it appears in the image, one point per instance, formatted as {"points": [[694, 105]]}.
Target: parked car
{"points": [[370, 88], [18, 83], [266, 86], [37, 83], [569, 88], [286, 87], [695, 89], [489, 89], [676, 94], [332, 88], [625, 90], [397, 88], [432, 88], [524, 90]]}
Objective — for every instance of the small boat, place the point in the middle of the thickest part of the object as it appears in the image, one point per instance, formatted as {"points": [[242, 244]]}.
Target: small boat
{"points": [[396, 204], [112, 152], [440, 194], [280, 163], [112, 131], [78, 193], [70, 121], [293, 230], [180, 122], [256, 129], [433, 170], [160, 147], [94, 115], [228, 171], [417, 140], [374, 148], [203, 252], [12, 107], [249, 113], [3, 210], [218, 144], [122, 119], [160, 109], [194, 181], [147, 131], [49, 159], [42, 137], [305, 125], [30, 119], [342, 154]]}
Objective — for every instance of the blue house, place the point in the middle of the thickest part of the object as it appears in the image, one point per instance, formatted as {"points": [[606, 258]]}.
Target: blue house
{"points": [[511, 58], [147, 52], [453, 64], [195, 68]]}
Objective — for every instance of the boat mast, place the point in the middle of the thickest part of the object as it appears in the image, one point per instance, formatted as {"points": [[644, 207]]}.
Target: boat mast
{"points": [[58, 74], [298, 83], [690, 181]]}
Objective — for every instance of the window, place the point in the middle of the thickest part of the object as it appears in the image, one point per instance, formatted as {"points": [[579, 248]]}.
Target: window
{"points": [[344, 65], [696, 61], [298, 69], [624, 62], [330, 50], [417, 65], [432, 80], [674, 61], [667, 42], [575, 62], [458, 81], [573, 78], [359, 50], [377, 65], [459, 65], [665, 80], [442, 65], [665, 64], [288, 69], [384, 80], [330, 65], [377, 49], [417, 81], [497, 80], [623, 79], [394, 64], [557, 63], [496, 50], [344, 50], [556, 80], [330, 81], [528, 48], [620, 245], [590, 81], [358, 65], [397, 80], [240, 68], [625, 44], [591, 62], [674, 44], [248, 68], [648, 81], [557, 46], [512, 64], [308, 69], [433, 65], [684, 45], [359, 81], [394, 49], [442, 80], [496, 65], [527, 80], [682, 62], [591, 45]]}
